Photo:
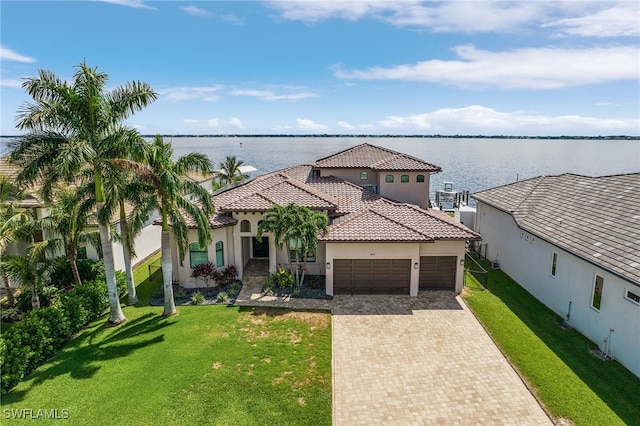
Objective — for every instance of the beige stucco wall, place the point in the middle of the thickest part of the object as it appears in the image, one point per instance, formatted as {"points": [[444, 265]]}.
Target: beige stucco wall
{"points": [[352, 175], [411, 192]]}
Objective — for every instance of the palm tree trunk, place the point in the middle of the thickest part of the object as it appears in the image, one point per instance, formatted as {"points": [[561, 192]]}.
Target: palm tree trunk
{"points": [[11, 299], [35, 299], [116, 315], [167, 275], [124, 231], [72, 255]]}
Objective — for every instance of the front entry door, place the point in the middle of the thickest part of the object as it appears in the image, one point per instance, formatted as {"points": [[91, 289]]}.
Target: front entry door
{"points": [[260, 248]]}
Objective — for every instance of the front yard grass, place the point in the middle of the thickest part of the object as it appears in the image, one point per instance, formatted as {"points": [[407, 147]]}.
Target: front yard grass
{"points": [[208, 365], [571, 383]]}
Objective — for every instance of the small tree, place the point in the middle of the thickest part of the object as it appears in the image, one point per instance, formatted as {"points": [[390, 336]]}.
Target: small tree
{"points": [[295, 228], [229, 173]]}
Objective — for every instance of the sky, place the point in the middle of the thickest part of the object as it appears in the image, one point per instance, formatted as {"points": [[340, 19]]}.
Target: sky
{"points": [[522, 68]]}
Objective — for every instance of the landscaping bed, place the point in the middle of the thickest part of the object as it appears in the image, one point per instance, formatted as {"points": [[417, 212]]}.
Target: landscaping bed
{"points": [[218, 295], [313, 287]]}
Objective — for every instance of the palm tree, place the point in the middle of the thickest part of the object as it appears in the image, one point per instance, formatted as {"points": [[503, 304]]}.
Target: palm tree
{"points": [[12, 224], [77, 127], [175, 197], [67, 224], [295, 228], [30, 271], [230, 172]]}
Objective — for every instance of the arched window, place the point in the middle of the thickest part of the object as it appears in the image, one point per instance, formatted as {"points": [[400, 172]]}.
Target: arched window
{"points": [[364, 175], [219, 254], [245, 226], [404, 178], [388, 178], [197, 255], [420, 178]]}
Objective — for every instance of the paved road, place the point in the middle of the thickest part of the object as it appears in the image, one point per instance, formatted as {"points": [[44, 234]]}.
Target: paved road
{"points": [[421, 361]]}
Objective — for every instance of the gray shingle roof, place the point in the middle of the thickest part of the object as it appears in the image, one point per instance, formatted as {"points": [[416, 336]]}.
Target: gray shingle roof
{"points": [[595, 218], [375, 158]]}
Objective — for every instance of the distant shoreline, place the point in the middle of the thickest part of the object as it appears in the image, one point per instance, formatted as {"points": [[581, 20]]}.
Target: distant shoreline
{"points": [[564, 137]]}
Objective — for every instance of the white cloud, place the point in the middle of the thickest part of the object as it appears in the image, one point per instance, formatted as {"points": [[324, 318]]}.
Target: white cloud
{"points": [[477, 16], [306, 124], [7, 54], [613, 21], [235, 122], [184, 93], [213, 122], [10, 82], [269, 95], [529, 68], [190, 121], [136, 4], [345, 125], [477, 119], [196, 11]]}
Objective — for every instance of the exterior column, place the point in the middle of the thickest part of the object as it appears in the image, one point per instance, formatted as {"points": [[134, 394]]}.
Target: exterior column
{"points": [[237, 253], [273, 255]]}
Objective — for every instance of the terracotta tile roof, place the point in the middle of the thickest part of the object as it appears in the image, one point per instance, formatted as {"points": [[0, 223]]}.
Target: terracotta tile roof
{"points": [[386, 220], [375, 158], [591, 217], [274, 188]]}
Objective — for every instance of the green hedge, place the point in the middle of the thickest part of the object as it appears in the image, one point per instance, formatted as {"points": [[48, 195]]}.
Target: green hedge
{"points": [[44, 331]]}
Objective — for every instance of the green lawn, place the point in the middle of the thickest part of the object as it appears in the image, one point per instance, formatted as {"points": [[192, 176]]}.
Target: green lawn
{"points": [[207, 365], [570, 382]]}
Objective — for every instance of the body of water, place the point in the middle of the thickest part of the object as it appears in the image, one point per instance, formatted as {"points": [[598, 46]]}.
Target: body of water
{"points": [[471, 164]]}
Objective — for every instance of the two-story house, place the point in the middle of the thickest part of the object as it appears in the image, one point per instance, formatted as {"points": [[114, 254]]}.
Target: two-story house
{"points": [[382, 236]]}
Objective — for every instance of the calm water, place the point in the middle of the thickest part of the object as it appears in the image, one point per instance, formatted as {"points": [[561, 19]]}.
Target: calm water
{"points": [[471, 164]]}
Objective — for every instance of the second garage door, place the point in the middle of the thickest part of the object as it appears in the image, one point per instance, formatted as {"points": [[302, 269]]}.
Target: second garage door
{"points": [[437, 273], [371, 276]]}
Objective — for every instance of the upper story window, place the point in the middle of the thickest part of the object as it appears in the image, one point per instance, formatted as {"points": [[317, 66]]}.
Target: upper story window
{"points": [[404, 178], [596, 299], [245, 226], [197, 256], [420, 178], [364, 175], [388, 178], [631, 296]]}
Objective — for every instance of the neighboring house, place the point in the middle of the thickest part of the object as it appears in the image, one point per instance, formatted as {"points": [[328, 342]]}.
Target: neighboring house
{"points": [[574, 243], [374, 244], [147, 243]]}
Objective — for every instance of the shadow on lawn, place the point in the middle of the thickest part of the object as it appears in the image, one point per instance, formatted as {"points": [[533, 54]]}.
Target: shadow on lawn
{"points": [[613, 383], [79, 357]]}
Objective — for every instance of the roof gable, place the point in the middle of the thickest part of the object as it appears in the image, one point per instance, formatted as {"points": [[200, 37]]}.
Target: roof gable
{"points": [[375, 158], [591, 217]]}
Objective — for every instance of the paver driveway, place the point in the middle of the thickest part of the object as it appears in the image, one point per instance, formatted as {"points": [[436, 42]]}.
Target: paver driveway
{"points": [[399, 360]]}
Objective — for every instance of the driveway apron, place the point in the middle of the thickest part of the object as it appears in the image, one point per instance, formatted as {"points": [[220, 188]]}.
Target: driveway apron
{"points": [[400, 360]]}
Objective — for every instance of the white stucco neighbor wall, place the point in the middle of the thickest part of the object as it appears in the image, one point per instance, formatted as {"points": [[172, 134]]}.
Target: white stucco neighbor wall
{"points": [[527, 259], [147, 243]]}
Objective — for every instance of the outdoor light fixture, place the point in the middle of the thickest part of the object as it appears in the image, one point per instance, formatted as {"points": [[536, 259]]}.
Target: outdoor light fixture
{"points": [[328, 265], [416, 265], [461, 262]]}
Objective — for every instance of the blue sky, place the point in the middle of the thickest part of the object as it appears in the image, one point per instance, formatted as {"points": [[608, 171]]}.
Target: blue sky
{"points": [[368, 67]]}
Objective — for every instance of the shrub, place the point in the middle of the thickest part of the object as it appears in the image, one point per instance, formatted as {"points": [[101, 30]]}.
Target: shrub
{"points": [[47, 294], [234, 289], [222, 296], [197, 298], [205, 272], [180, 293], [281, 279], [10, 314], [229, 274], [62, 276]]}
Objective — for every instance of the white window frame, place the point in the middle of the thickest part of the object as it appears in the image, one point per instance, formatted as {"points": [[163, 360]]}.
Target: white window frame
{"points": [[635, 293], [593, 292], [553, 271]]}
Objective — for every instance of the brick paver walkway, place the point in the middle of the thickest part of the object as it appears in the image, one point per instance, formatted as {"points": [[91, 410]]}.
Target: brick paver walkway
{"points": [[401, 360]]}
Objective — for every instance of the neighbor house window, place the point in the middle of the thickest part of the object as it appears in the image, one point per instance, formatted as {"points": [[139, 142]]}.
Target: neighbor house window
{"points": [[219, 254], [420, 178], [294, 248], [388, 178], [197, 256], [404, 178], [633, 297], [554, 264], [596, 300], [364, 175]]}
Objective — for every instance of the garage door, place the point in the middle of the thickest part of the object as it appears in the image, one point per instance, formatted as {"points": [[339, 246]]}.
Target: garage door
{"points": [[371, 276], [437, 272]]}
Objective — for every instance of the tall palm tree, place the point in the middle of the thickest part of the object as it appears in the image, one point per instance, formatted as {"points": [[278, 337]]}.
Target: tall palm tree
{"points": [[295, 228], [177, 197], [76, 127], [230, 172], [67, 227], [13, 221]]}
